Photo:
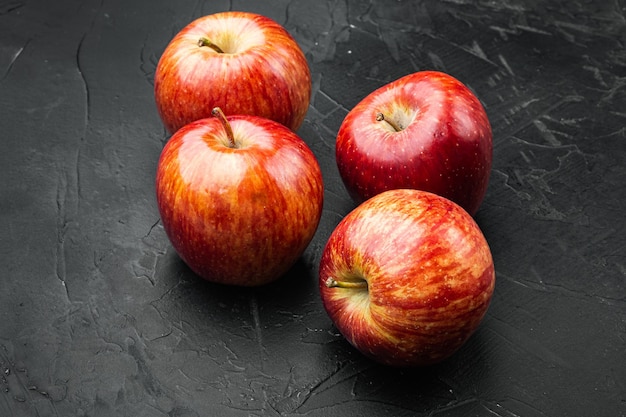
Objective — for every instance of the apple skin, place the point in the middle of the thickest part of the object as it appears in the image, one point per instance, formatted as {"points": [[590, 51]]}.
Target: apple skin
{"points": [[427, 272], [262, 72], [444, 144], [242, 215]]}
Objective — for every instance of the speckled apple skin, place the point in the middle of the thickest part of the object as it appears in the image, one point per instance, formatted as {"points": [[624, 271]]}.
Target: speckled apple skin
{"points": [[444, 145]]}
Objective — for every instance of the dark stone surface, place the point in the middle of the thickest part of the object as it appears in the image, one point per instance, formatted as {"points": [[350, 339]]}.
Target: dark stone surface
{"points": [[99, 317]]}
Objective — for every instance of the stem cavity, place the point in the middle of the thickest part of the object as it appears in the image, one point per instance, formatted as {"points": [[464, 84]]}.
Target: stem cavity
{"points": [[206, 42], [217, 112], [395, 126]]}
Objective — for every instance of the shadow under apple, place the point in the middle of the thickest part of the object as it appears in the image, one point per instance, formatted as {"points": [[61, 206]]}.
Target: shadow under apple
{"points": [[421, 389]]}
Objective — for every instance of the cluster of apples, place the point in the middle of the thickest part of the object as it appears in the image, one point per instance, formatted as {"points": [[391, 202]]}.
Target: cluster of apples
{"points": [[407, 276]]}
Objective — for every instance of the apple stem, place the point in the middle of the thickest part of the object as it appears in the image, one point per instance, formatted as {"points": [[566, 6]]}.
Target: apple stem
{"points": [[332, 283], [381, 117], [206, 42], [217, 112]]}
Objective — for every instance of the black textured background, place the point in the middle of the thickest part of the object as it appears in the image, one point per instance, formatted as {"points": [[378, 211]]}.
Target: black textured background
{"points": [[99, 317]]}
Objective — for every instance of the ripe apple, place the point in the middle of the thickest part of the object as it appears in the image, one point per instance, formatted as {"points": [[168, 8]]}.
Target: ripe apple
{"points": [[242, 62], [240, 197], [426, 131], [407, 277]]}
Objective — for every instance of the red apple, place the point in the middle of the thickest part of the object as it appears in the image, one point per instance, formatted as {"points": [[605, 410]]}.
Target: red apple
{"points": [[426, 131], [240, 197], [407, 277], [242, 62]]}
